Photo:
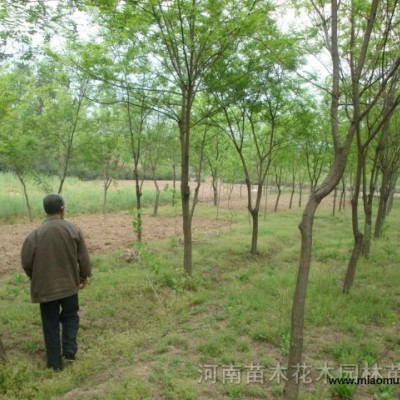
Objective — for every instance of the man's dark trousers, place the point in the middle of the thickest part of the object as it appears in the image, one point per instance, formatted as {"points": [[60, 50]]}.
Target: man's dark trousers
{"points": [[51, 319]]}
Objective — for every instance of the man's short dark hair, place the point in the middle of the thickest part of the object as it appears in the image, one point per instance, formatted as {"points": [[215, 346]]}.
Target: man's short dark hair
{"points": [[53, 203]]}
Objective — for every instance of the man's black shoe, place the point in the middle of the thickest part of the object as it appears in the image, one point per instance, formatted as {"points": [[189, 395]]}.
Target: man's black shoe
{"points": [[69, 357]]}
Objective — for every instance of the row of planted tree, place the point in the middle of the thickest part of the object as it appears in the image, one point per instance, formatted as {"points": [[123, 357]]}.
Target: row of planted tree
{"points": [[212, 87]]}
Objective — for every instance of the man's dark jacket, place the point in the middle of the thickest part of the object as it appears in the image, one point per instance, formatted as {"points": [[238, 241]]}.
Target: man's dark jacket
{"points": [[55, 257]]}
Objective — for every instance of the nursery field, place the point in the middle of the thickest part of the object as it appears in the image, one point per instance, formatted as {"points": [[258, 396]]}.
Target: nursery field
{"points": [[148, 332], [113, 230]]}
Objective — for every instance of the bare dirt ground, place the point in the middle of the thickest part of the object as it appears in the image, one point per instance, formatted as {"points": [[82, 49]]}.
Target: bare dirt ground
{"points": [[104, 234]]}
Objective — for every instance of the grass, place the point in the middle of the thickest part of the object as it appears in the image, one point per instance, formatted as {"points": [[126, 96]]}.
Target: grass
{"points": [[81, 197], [147, 331]]}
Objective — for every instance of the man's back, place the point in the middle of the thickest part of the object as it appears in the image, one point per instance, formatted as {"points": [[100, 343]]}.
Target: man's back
{"points": [[54, 255]]}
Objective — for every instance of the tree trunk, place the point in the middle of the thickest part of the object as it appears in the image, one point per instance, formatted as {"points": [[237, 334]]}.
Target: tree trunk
{"points": [[184, 130], [138, 216], [298, 309], [342, 203], [136, 151], [105, 190], [174, 185], [383, 198], [300, 194], [334, 201], [254, 234], [366, 248], [254, 217], [293, 189], [107, 180], [157, 199], [291, 390], [215, 194], [278, 180], [392, 189], [368, 200], [352, 265], [70, 142], [358, 236], [214, 184], [187, 226], [28, 205]]}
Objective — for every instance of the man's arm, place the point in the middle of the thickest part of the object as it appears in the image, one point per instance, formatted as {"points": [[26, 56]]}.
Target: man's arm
{"points": [[28, 254], [85, 269]]}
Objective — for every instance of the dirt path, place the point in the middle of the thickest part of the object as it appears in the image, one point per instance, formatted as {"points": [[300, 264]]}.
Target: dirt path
{"points": [[102, 235]]}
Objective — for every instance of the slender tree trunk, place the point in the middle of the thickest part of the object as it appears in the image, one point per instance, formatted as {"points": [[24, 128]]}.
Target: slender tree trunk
{"points": [[157, 199], [383, 198], [63, 176], [300, 194], [342, 202], [254, 234], [138, 193], [198, 174], [28, 205], [358, 236], [392, 190], [184, 128], [136, 152], [335, 192], [195, 197], [254, 217], [174, 185], [362, 150], [351, 186], [278, 180], [214, 184], [291, 390], [293, 188], [187, 225], [70, 142], [368, 200], [105, 190], [298, 309], [107, 180], [265, 200]]}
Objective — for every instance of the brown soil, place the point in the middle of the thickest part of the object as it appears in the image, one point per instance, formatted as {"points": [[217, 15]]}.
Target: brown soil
{"points": [[102, 234]]}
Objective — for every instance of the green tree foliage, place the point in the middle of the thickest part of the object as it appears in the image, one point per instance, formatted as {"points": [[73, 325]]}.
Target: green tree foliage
{"points": [[19, 142]]}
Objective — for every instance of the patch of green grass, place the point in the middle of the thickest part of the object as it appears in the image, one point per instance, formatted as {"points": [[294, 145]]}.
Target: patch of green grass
{"points": [[344, 391], [383, 392], [349, 351]]}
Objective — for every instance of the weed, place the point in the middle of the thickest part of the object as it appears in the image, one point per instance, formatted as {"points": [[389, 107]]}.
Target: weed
{"points": [[384, 392], [285, 343], [344, 391]]}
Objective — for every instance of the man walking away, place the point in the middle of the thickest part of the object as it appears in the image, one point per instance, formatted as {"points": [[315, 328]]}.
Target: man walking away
{"points": [[55, 258]]}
